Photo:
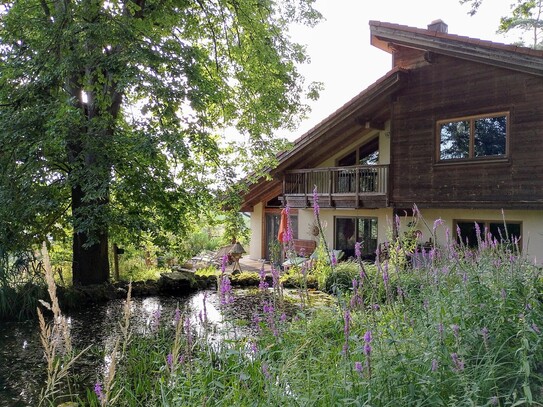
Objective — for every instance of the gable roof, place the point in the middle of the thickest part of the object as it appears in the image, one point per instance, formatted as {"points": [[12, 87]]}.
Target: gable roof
{"points": [[372, 104], [514, 57]]}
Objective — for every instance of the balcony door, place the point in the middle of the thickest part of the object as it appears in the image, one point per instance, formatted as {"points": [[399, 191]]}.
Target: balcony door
{"points": [[367, 154], [349, 230]]}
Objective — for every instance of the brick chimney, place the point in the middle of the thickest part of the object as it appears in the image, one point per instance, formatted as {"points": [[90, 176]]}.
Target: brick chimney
{"points": [[439, 26]]}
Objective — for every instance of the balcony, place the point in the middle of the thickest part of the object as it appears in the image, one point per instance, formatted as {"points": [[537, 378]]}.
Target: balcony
{"points": [[359, 186]]}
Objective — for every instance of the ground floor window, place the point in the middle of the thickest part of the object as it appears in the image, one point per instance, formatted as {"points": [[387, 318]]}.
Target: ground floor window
{"points": [[504, 232], [349, 230]]}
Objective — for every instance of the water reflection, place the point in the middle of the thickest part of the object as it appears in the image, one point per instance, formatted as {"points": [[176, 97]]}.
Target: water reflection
{"points": [[22, 365]]}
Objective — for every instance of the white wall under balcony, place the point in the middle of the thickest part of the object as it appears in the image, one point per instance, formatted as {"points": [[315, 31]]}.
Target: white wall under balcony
{"points": [[255, 244]]}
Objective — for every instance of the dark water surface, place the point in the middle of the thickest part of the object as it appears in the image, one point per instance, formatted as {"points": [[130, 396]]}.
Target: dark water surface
{"points": [[22, 362], [23, 366]]}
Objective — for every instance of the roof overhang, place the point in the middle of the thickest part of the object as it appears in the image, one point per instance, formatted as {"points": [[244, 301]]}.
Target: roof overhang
{"points": [[385, 35], [369, 108]]}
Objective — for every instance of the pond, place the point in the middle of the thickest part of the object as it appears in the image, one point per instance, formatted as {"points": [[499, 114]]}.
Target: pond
{"points": [[23, 367]]}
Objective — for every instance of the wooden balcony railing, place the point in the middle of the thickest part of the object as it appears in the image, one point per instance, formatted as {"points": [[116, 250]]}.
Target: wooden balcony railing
{"points": [[360, 186]]}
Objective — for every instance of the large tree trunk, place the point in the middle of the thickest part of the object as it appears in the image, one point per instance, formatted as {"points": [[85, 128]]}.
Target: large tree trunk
{"points": [[90, 264]]}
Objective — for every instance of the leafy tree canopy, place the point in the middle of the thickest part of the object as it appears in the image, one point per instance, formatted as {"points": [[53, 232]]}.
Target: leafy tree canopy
{"points": [[526, 16], [110, 112]]}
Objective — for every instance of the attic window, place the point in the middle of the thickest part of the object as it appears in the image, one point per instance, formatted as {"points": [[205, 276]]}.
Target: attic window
{"points": [[473, 137]]}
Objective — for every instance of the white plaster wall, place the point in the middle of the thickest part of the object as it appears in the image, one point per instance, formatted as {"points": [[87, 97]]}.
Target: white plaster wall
{"points": [[532, 225], [306, 218], [255, 243]]}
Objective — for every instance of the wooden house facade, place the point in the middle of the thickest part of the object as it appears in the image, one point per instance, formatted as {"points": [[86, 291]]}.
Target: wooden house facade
{"points": [[454, 128]]}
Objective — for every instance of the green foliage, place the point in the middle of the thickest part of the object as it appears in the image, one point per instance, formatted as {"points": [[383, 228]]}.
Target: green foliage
{"points": [[111, 114], [526, 16]]}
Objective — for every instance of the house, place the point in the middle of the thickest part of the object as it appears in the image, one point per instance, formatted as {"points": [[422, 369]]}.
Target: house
{"points": [[455, 127]]}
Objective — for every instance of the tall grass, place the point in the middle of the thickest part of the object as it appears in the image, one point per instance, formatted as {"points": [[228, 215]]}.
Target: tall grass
{"points": [[461, 327]]}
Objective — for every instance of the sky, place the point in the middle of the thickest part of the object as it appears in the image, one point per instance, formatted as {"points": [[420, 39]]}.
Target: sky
{"points": [[345, 62]]}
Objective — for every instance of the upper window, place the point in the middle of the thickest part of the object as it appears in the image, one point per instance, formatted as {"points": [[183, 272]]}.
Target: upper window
{"points": [[473, 136], [368, 154]]}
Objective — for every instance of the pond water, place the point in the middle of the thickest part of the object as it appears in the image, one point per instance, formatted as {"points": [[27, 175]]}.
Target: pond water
{"points": [[23, 367]]}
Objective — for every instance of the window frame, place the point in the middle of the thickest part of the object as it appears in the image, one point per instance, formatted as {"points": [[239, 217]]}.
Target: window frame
{"points": [[471, 153], [356, 218]]}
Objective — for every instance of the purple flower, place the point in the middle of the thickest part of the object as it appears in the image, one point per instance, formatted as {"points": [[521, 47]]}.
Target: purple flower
{"points": [[494, 401], [503, 294], [263, 285], [440, 329], [225, 290], [458, 364], [334, 260], [358, 367], [177, 316], [367, 343], [536, 328], [283, 317], [315, 202], [265, 371], [224, 262], [254, 347], [437, 222], [358, 250], [435, 365], [456, 330], [169, 360], [98, 391], [155, 319], [484, 332]]}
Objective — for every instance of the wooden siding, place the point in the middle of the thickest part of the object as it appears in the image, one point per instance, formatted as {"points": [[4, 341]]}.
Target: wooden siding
{"points": [[448, 88]]}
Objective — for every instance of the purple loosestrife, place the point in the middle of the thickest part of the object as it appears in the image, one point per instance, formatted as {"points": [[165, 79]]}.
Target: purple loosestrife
{"points": [[169, 360], [224, 262], [266, 371], [358, 251], [358, 367], [456, 330], [288, 234], [458, 364], [316, 208], [435, 365], [437, 222], [225, 290], [334, 260], [367, 343], [177, 316], [263, 285], [275, 278], [484, 332], [155, 319], [98, 391]]}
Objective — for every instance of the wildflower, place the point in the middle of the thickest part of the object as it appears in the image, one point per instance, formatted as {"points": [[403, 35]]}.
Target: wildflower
{"points": [[334, 260], [169, 360], [367, 343], [177, 316], [456, 330], [315, 202], [254, 347], [385, 273], [224, 262], [265, 371], [484, 333], [435, 365], [358, 367], [458, 364], [263, 285], [187, 332], [440, 329], [98, 391], [358, 250], [225, 290], [536, 328], [503, 294], [494, 401], [283, 317], [437, 222], [155, 319], [416, 212]]}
